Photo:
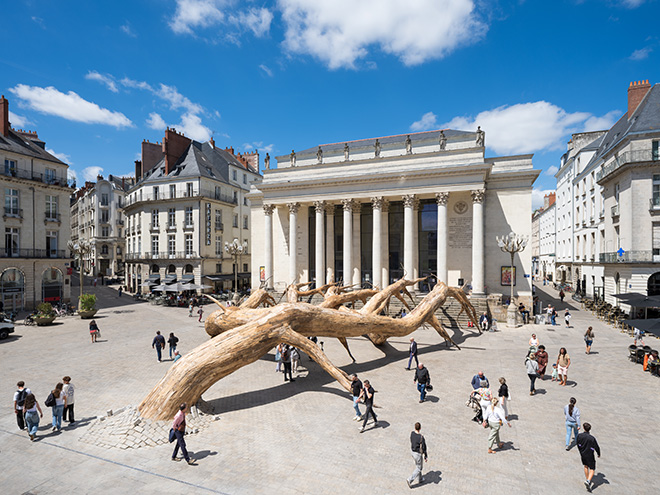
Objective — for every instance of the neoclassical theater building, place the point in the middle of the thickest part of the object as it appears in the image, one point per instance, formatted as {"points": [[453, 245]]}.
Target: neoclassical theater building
{"points": [[373, 210]]}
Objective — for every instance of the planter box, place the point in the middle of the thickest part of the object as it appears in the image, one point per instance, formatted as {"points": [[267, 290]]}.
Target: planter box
{"points": [[45, 320], [86, 315]]}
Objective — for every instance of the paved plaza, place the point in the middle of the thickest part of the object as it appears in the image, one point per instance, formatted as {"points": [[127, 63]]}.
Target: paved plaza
{"points": [[295, 438]]}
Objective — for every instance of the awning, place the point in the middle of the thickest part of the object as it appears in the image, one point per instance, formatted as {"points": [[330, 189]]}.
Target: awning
{"points": [[218, 278], [155, 277], [637, 300], [651, 325], [170, 278], [187, 278]]}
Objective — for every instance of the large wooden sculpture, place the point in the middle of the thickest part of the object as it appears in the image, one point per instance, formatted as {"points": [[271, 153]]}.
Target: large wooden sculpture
{"points": [[243, 334]]}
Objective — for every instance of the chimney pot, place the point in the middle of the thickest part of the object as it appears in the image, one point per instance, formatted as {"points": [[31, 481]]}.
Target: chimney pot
{"points": [[636, 93]]}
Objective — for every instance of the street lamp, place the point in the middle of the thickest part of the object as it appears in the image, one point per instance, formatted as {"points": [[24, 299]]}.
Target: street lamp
{"points": [[235, 249], [79, 250], [512, 244]]}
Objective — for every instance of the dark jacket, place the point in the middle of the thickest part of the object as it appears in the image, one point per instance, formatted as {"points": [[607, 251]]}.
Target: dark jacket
{"points": [[413, 348], [356, 388], [587, 444], [418, 443], [422, 376], [158, 340]]}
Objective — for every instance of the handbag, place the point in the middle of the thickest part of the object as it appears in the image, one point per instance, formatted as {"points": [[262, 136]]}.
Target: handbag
{"points": [[429, 387], [172, 435], [50, 400]]}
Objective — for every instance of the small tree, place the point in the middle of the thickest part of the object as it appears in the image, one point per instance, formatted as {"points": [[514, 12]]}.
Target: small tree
{"points": [[87, 302], [45, 310]]}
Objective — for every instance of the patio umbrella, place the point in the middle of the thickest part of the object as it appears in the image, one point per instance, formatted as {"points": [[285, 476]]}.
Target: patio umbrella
{"points": [[651, 325], [176, 287], [194, 286], [160, 288]]}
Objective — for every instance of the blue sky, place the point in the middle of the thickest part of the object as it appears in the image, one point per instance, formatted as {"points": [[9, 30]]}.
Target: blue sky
{"points": [[96, 78]]}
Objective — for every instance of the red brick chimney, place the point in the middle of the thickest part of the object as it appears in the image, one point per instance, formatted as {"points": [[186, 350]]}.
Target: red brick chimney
{"points": [[152, 153], [174, 145], [4, 116], [636, 93], [138, 169]]}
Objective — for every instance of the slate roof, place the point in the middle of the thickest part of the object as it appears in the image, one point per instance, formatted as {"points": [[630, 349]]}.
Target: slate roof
{"points": [[415, 137], [16, 143]]}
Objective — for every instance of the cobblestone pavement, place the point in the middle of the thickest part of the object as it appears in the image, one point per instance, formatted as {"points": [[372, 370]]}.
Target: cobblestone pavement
{"points": [[294, 438]]}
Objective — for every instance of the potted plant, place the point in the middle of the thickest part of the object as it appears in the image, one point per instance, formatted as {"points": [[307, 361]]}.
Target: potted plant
{"points": [[87, 306], [45, 314]]}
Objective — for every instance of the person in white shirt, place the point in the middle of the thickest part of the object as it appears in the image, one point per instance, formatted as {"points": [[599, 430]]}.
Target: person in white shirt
{"points": [[19, 401], [494, 418], [68, 390]]}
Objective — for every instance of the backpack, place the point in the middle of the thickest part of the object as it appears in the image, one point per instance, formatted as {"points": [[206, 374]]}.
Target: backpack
{"points": [[20, 399], [50, 400]]}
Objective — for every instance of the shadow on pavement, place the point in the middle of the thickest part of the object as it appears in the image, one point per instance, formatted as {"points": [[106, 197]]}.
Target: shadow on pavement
{"points": [[202, 454], [434, 477], [79, 423], [599, 479]]}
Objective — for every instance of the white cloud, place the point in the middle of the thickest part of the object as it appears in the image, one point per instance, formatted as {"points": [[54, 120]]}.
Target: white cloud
{"points": [[108, 81], [552, 170], [428, 121], [155, 121], [594, 123], [523, 128], [128, 30], [176, 99], [259, 146], [538, 195], [342, 31], [72, 174], [18, 121], [641, 54], [267, 70], [196, 14], [69, 106], [256, 20], [191, 125], [90, 173], [632, 3], [60, 156]]}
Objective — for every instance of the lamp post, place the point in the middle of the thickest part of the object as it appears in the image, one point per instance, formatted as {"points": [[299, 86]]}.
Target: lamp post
{"points": [[512, 244], [79, 250], [235, 249]]}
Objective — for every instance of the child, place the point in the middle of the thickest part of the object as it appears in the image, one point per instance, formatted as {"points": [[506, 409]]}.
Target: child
{"points": [[200, 312], [190, 309], [555, 374], [567, 318]]}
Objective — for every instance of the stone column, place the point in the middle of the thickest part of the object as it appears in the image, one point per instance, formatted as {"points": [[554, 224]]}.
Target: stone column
{"points": [[478, 197], [319, 251], [330, 244], [408, 235], [385, 243], [441, 199], [376, 246], [347, 204], [356, 278], [416, 208], [268, 244], [293, 244]]}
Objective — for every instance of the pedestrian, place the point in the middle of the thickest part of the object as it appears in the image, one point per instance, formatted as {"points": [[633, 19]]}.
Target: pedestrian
{"points": [[503, 395], [542, 360], [532, 372], [548, 315], [573, 425], [69, 391], [639, 335], [200, 312], [179, 427], [561, 295], [563, 362], [484, 395], [172, 341], [555, 373], [190, 309], [567, 318], [533, 342], [356, 389], [278, 357], [417, 450], [367, 395], [159, 344], [31, 417], [95, 281], [295, 359], [588, 339], [494, 419], [423, 379], [553, 317], [477, 379], [94, 330], [19, 402], [286, 360], [483, 322], [413, 353], [587, 445], [58, 408], [120, 290]]}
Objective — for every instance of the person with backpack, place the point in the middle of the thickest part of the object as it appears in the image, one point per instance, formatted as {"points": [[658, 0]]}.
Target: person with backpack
{"points": [[31, 417], [19, 403]]}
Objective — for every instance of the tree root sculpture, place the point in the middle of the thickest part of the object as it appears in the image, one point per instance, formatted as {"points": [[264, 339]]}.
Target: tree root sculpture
{"points": [[243, 335]]}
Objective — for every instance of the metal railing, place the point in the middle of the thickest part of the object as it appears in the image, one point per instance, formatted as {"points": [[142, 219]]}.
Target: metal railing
{"points": [[161, 255], [183, 195], [627, 257], [119, 222], [219, 226], [53, 180], [154, 227], [189, 225], [53, 217], [654, 203], [615, 210], [10, 211], [637, 156], [32, 253], [171, 226]]}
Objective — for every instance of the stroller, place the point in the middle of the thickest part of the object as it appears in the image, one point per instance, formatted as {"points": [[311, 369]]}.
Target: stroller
{"points": [[473, 402]]}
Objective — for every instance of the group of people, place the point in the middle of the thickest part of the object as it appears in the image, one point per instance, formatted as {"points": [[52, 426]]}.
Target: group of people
{"points": [[586, 443], [159, 344], [494, 410], [551, 316], [28, 410], [536, 363], [288, 360]]}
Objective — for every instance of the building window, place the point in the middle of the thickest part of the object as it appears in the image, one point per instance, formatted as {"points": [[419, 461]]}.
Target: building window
{"points": [[51, 243], [233, 174], [218, 268], [189, 244], [104, 249], [51, 207], [245, 202], [118, 250], [119, 202], [105, 199], [50, 176], [105, 216], [105, 231], [655, 150], [154, 218], [245, 221], [11, 241], [155, 189], [171, 245], [245, 267], [235, 223], [10, 167], [172, 191], [171, 217], [218, 192], [189, 189], [218, 245], [154, 245], [617, 189], [189, 216], [656, 190], [11, 202], [244, 178], [218, 219], [235, 197]]}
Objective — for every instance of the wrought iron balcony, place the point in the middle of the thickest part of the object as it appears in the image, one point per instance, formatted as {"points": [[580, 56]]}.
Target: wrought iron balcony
{"points": [[49, 179], [637, 156], [10, 212], [9, 252], [219, 226], [654, 203], [627, 257], [53, 217], [615, 211]]}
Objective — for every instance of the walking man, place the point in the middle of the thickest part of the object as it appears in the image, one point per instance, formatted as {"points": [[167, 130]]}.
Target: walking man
{"points": [[356, 388], [423, 379], [179, 427], [367, 395], [587, 445], [68, 390], [413, 353], [159, 344], [120, 290], [417, 449], [19, 402], [286, 360]]}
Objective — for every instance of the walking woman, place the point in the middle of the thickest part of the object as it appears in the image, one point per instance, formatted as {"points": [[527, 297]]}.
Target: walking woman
{"points": [[58, 408], [484, 395], [32, 414], [93, 330], [573, 423], [172, 341], [278, 357], [542, 360], [494, 419], [589, 339], [563, 362], [532, 372], [503, 394]]}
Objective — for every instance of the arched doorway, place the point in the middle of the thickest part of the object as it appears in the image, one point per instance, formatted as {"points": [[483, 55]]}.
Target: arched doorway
{"points": [[12, 285], [653, 284], [52, 285]]}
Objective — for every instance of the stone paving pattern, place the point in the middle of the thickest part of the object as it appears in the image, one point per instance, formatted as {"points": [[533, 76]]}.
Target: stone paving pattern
{"points": [[298, 438]]}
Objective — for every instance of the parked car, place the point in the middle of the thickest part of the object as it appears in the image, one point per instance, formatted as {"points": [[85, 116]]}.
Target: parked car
{"points": [[6, 327]]}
